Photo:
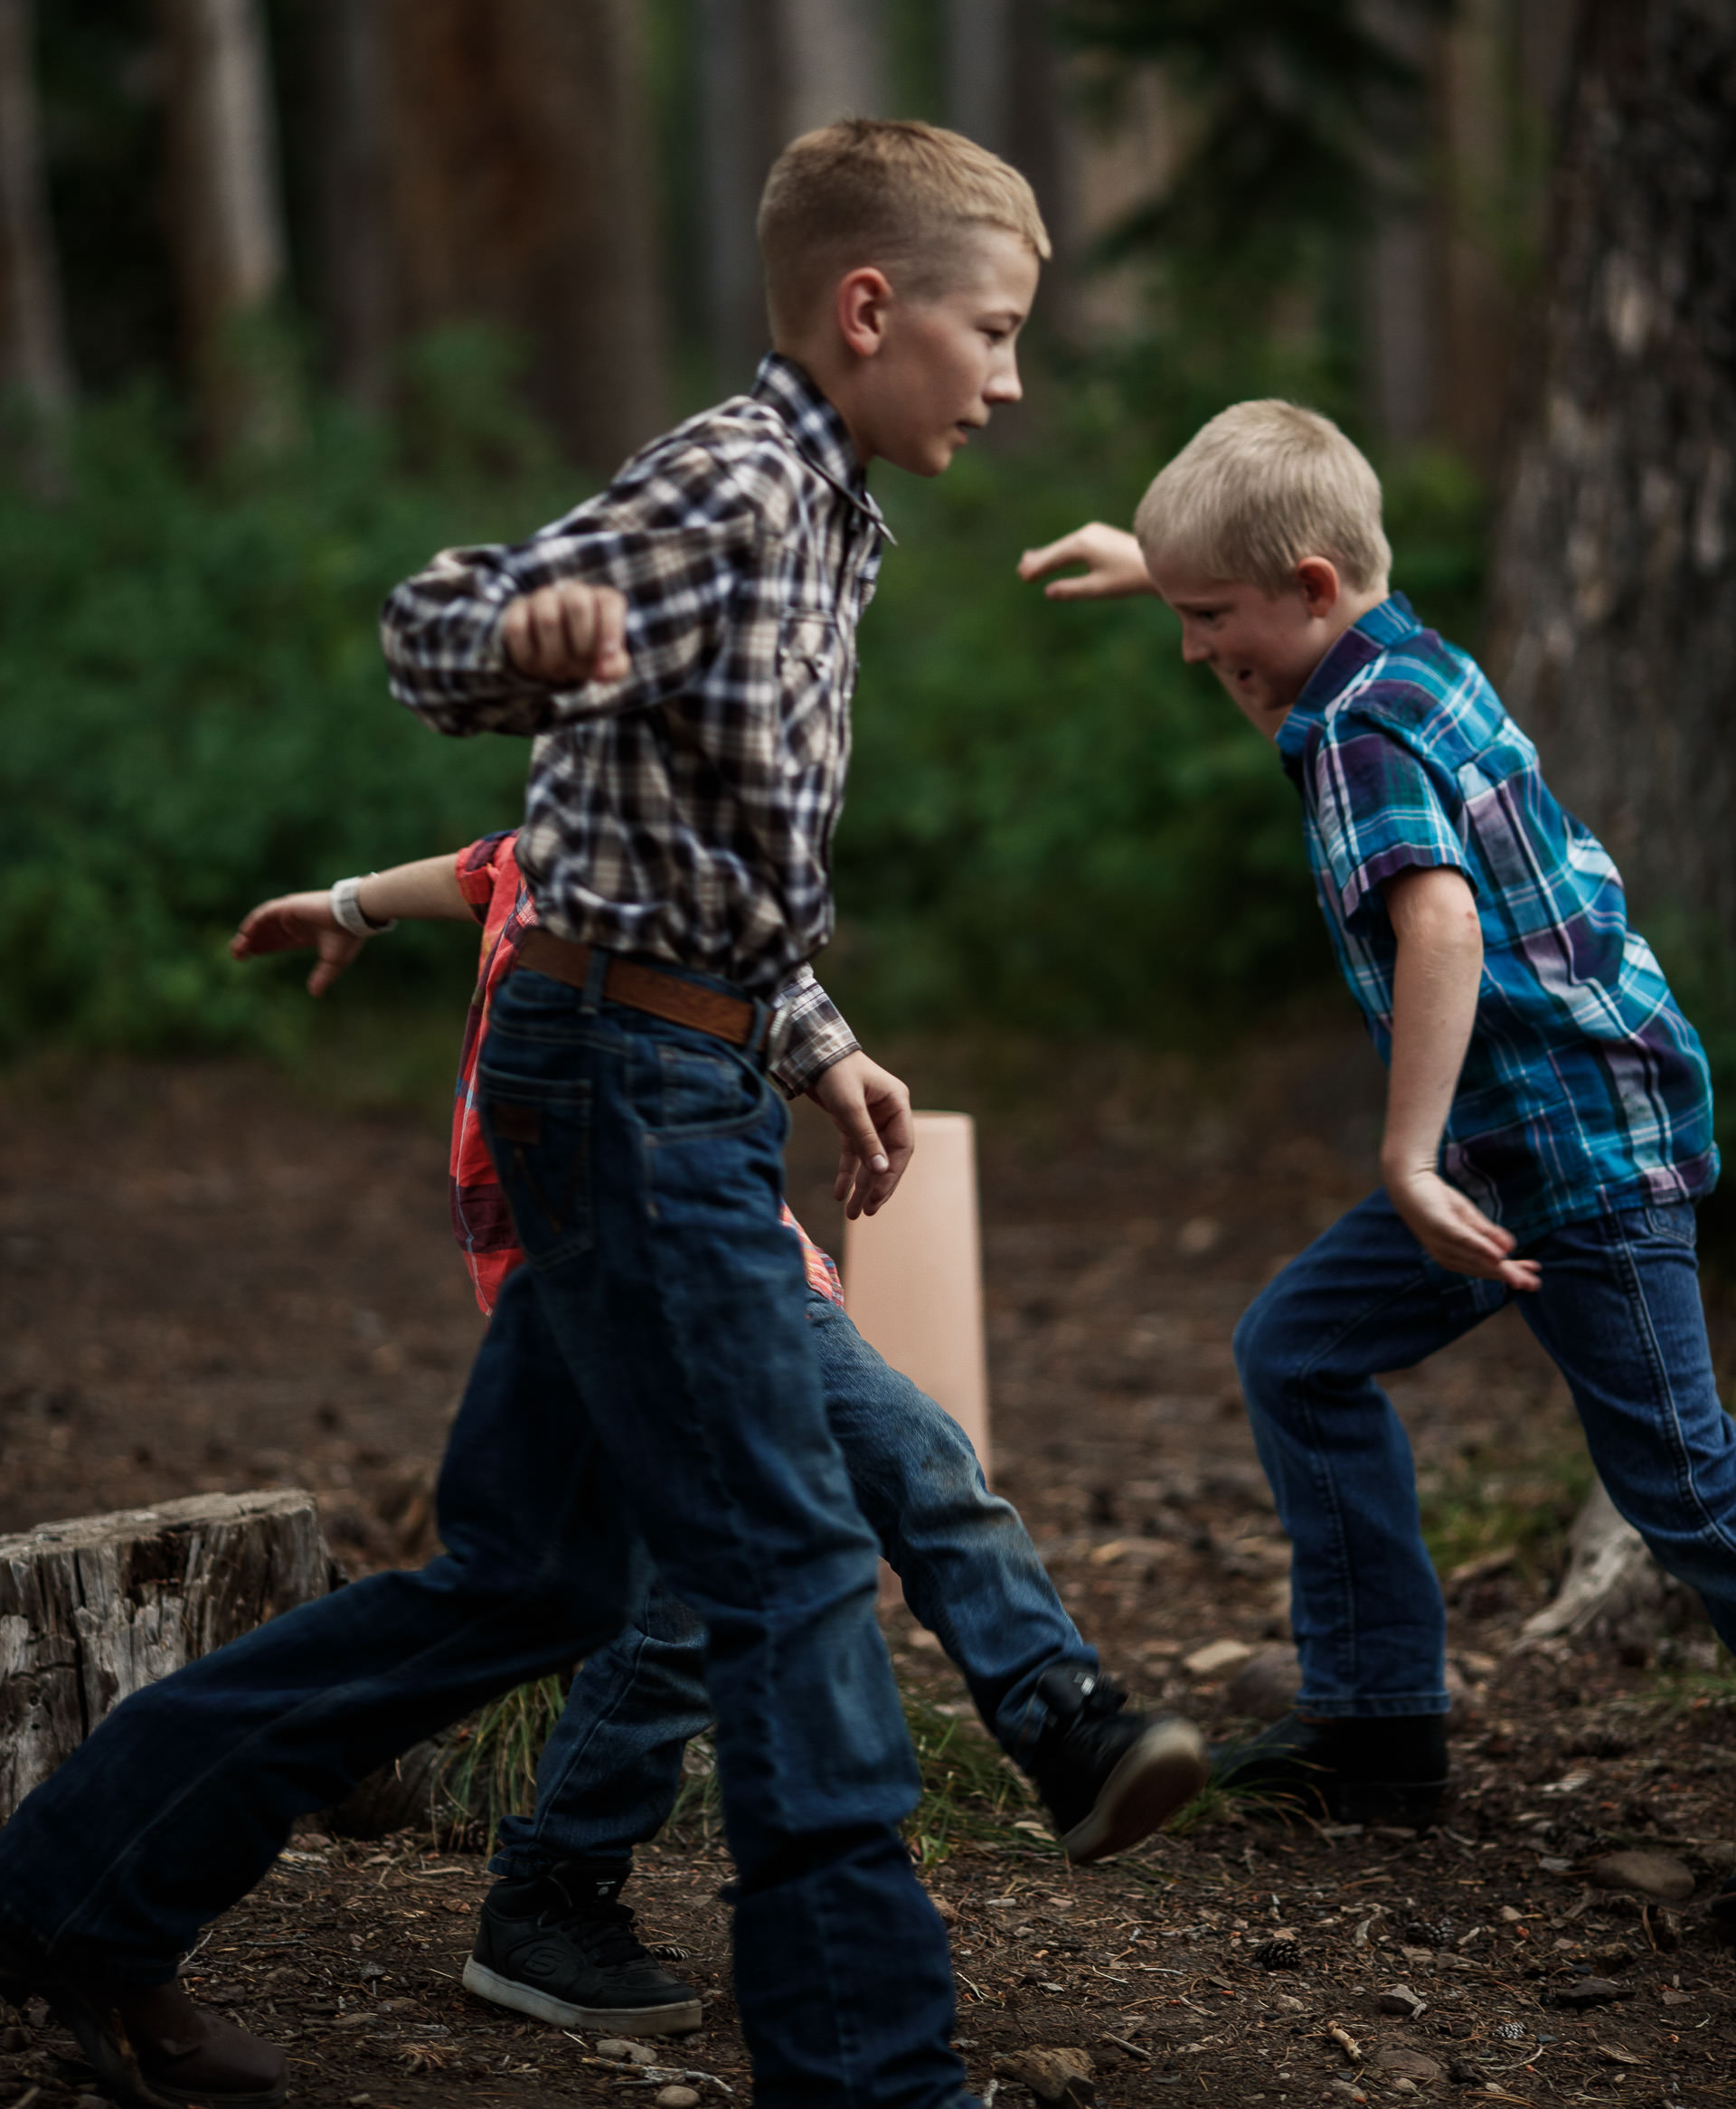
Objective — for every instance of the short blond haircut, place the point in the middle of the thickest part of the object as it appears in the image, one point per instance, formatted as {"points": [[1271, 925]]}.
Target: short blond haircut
{"points": [[1261, 486], [893, 193]]}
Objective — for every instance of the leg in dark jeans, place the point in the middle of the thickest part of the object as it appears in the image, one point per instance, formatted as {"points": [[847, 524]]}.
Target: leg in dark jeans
{"points": [[1618, 1312], [660, 1318], [612, 1769]]}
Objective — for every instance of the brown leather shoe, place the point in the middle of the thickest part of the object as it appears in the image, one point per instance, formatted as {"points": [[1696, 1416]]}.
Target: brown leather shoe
{"points": [[152, 2048]]}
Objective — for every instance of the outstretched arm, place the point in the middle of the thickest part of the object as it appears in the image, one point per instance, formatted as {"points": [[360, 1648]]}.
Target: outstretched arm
{"points": [[1115, 565], [1434, 1007], [425, 891]]}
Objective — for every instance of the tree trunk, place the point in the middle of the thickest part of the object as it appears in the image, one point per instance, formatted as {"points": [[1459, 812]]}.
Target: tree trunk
{"points": [[1613, 625], [523, 194], [34, 371], [92, 1610], [768, 70], [355, 235], [226, 220]]}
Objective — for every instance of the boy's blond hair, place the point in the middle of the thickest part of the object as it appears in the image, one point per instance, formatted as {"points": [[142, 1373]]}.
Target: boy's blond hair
{"points": [[890, 191], [1259, 488]]}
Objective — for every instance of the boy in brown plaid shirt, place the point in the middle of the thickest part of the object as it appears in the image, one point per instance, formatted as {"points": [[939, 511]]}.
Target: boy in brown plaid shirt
{"points": [[683, 649]]}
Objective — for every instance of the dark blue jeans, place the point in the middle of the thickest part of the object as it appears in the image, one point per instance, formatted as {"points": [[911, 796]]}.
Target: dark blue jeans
{"points": [[1618, 1313], [611, 1770], [645, 1392]]}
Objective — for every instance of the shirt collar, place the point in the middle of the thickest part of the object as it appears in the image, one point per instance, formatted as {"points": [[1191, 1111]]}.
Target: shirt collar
{"points": [[819, 431], [1383, 626]]}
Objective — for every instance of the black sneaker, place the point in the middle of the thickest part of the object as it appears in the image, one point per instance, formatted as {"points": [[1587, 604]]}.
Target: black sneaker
{"points": [[1111, 1777], [1372, 1771], [1721, 1908], [562, 1947]]}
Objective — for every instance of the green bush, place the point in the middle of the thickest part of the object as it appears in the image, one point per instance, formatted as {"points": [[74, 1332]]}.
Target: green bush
{"points": [[196, 716]]}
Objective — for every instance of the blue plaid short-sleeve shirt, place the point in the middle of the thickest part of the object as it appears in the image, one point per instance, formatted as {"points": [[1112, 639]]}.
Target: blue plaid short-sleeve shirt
{"points": [[1584, 1088]]}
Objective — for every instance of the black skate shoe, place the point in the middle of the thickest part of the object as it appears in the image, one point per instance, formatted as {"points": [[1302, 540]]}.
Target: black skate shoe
{"points": [[1372, 1771], [1111, 1777], [561, 1947]]}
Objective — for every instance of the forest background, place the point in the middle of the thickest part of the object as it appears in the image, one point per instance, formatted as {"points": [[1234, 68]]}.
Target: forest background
{"points": [[296, 292]]}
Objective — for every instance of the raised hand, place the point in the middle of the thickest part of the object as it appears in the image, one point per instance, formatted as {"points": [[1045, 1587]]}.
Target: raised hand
{"points": [[1115, 566]]}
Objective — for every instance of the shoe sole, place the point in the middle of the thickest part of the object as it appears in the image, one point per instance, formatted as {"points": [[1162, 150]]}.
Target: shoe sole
{"points": [[681, 2018], [1161, 1773]]}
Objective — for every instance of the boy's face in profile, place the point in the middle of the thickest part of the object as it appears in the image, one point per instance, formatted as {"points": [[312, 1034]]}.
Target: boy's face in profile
{"points": [[946, 362], [1261, 646]]}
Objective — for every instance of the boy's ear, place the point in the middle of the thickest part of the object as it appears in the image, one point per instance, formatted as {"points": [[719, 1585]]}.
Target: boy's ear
{"points": [[864, 297], [1317, 576]]}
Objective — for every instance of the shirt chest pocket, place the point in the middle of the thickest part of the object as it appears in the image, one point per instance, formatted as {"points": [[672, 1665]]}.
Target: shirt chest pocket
{"points": [[812, 679]]}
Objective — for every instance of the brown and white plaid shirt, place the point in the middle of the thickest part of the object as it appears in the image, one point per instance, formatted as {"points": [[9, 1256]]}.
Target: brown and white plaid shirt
{"points": [[685, 812]]}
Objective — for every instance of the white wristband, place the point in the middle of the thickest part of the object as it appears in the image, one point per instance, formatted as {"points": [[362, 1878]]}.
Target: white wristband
{"points": [[346, 908]]}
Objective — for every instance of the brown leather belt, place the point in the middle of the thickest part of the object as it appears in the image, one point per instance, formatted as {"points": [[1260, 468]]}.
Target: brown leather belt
{"points": [[642, 987]]}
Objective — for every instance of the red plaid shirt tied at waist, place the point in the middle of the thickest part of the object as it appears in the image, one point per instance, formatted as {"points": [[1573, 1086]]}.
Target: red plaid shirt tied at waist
{"points": [[490, 880]]}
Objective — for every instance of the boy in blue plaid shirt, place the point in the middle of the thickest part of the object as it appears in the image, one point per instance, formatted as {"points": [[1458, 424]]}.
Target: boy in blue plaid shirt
{"points": [[1549, 1111]]}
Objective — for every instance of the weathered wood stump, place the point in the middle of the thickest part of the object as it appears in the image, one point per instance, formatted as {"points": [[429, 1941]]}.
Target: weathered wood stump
{"points": [[93, 1609], [1613, 1590]]}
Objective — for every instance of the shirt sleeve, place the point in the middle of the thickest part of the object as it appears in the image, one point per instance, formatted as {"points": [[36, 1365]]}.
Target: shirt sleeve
{"points": [[1380, 810], [675, 545], [476, 872], [809, 1034]]}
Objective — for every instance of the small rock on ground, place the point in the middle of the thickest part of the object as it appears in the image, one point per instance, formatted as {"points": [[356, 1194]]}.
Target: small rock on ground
{"points": [[1659, 1874], [1062, 2073]]}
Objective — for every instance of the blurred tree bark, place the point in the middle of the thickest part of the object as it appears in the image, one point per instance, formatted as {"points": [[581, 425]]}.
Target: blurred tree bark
{"points": [[522, 194], [35, 373], [354, 229], [768, 70], [226, 222], [1613, 625]]}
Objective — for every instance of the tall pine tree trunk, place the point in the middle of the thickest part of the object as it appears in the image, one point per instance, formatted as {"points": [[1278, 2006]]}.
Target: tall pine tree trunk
{"points": [[226, 221], [1614, 615], [357, 286], [1613, 630], [35, 375], [523, 193]]}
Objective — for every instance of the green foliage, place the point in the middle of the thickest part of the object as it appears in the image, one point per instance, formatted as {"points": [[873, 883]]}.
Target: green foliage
{"points": [[1529, 1514], [1292, 103], [197, 713], [1052, 823]]}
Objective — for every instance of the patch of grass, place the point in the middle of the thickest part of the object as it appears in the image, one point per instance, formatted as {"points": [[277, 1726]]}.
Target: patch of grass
{"points": [[491, 1770], [970, 1791], [1480, 1512]]}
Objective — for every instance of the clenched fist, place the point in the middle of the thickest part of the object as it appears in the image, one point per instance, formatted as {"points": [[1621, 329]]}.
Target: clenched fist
{"points": [[567, 633]]}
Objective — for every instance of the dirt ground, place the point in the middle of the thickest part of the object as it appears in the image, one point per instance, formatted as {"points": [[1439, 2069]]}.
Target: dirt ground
{"points": [[212, 1282]]}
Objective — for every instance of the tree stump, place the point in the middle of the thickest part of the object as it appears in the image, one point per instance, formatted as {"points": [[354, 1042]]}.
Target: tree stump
{"points": [[1613, 1590], [93, 1609]]}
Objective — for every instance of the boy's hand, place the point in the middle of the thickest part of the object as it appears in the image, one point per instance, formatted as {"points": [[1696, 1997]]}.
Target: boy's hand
{"points": [[1454, 1233], [291, 921], [871, 1109], [567, 633], [1115, 565]]}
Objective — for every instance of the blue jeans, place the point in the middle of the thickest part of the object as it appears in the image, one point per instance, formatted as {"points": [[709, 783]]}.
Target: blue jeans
{"points": [[612, 1769], [1618, 1313], [645, 1392]]}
